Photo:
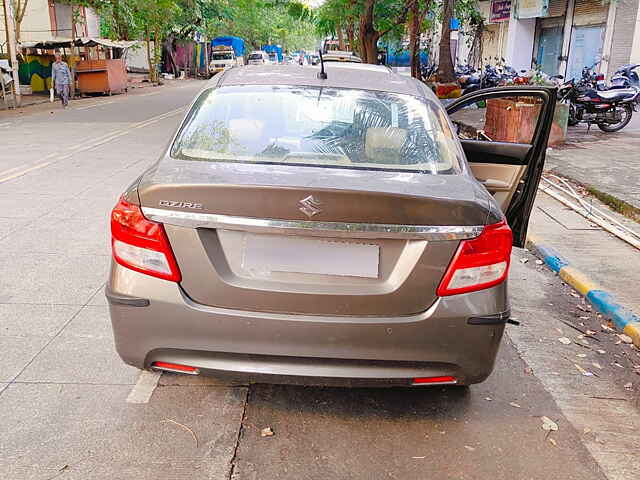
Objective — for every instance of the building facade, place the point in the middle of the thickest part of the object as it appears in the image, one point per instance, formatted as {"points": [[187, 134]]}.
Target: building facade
{"points": [[561, 36], [51, 20]]}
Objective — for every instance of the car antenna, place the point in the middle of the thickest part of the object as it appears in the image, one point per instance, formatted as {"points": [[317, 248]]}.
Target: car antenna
{"points": [[321, 74]]}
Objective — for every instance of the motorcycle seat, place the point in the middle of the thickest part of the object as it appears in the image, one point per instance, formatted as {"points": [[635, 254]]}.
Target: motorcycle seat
{"points": [[617, 94]]}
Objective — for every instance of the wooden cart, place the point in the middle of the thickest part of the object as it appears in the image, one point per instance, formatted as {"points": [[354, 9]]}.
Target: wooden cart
{"points": [[102, 76]]}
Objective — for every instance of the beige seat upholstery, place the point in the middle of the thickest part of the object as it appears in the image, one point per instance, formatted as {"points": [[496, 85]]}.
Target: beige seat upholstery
{"points": [[383, 144]]}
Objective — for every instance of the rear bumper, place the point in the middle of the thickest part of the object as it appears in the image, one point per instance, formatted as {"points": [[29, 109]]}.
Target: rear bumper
{"points": [[153, 320]]}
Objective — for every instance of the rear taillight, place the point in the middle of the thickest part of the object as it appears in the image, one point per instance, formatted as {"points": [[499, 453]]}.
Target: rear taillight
{"points": [[479, 263], [140, 244], [600, 76]]}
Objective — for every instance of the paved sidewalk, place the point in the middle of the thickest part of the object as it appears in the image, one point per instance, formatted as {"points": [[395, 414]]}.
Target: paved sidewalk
{"points": [[609, 162], [605, 258]]}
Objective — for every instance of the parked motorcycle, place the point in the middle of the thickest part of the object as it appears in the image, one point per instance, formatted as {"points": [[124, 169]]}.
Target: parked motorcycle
{"points": [[626, 77], [611, 110]]}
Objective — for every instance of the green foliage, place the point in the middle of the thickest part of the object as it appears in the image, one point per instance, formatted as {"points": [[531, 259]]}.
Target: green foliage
{"points": [[287, 23]]}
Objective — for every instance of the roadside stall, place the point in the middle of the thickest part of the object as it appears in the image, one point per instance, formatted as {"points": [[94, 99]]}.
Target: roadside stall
{"points": [[103, 75], [99, 63]]}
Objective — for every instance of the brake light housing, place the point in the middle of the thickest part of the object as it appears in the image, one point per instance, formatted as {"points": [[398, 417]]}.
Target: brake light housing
{"points": [[479, 263], [140, 244]]}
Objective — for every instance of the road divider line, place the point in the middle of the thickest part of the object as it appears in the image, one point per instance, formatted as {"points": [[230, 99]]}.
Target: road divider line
{"points": [[144, 387], [86, 107], [153, 120], [24, 172], [25, 165], [84, 146]]}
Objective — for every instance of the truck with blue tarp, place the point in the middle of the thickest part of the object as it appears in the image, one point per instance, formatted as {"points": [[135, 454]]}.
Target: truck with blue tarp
{"points": [[226, 52], [274, 52]]}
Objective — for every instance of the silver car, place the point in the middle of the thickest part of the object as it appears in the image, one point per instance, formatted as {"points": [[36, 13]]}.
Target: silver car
{"points": [[344, 230]]}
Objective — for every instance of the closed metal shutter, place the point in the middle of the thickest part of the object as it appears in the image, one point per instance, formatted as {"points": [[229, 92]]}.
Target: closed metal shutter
{"points": [[552, 22], [557, 8], [590, 12]]}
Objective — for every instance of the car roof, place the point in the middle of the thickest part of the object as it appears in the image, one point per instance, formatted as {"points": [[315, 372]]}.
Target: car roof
{"points": [[343, 75]]}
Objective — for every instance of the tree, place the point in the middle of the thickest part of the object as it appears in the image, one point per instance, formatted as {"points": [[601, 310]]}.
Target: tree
{"points": [[377, 19], [446, 73], [418, 10], [19, 8]]}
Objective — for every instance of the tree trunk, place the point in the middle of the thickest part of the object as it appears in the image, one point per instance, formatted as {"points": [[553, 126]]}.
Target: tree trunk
{"points": [[351, 36], [414, 39], [72, 67], [368, 34], [351, 29], [152, 67], [340, 38], [20, 8], [445, 63]]}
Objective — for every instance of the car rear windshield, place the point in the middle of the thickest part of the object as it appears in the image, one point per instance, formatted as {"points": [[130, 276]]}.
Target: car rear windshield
{"points": [[319, 126], [222, 56], [255, 56]]}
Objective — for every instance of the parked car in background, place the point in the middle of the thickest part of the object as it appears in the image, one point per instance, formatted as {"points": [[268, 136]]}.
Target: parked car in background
{"points": [[341, 56], [222, 58], [258, 57], [325, 231]]}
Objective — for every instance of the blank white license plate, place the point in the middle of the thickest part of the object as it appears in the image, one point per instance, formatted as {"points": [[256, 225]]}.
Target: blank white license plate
{"points": [[306, 255]]}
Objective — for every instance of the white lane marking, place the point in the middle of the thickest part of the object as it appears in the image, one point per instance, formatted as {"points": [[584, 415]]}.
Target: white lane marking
{"points": [[25, 165], [152, 120], [144, 387], [6, 124], [94, 105], [24, 172]]}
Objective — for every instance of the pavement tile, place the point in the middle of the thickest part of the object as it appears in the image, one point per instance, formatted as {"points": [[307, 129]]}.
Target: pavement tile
{"points": [[90, 322], [99, 299], [20, 320], [8, 225], [92, 206], [97, 435], [74, 236], [71, 358], [16, 353], [51, 279], [45, 183], [26, 205]]}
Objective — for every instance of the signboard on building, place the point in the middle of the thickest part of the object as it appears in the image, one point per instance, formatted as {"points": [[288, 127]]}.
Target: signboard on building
{"points": [[500, 11], [532, 8]]}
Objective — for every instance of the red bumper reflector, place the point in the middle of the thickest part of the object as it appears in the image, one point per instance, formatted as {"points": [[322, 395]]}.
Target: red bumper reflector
{"points": [[425, 380], [175, 366]]}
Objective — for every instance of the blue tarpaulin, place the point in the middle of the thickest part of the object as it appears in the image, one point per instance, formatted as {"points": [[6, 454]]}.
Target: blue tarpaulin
{"points": [[277, 49], [235, 42]]}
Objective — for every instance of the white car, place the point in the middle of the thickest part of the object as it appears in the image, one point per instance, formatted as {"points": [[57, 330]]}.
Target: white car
{"points": [[258, 57]]}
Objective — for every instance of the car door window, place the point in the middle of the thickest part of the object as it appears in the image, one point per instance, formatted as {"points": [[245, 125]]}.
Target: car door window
{"points": [[504, 132], [510, 119]]}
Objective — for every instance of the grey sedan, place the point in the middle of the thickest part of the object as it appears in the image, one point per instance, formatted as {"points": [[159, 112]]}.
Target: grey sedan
{"points": [[343, 230]]}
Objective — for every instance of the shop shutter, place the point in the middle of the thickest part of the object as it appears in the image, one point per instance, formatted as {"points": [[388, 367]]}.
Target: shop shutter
{"points": [[557, 8], [590, 12]]}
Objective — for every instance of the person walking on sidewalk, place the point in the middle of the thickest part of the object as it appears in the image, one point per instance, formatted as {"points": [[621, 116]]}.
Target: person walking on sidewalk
{"points": [[61, 79]]}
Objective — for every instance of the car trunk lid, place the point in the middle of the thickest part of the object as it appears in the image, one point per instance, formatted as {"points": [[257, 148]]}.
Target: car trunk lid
{"points": [[323, 241]]}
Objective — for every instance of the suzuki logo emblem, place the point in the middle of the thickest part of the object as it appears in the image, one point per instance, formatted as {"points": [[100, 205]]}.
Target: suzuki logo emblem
{"points": [[310, 206]]}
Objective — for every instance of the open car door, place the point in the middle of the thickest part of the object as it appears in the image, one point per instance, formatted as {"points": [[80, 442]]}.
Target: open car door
{"points": [[504, 133]]}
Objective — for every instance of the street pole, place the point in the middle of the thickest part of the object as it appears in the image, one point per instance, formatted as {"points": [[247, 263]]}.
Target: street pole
{"points": [[9, 21]]}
